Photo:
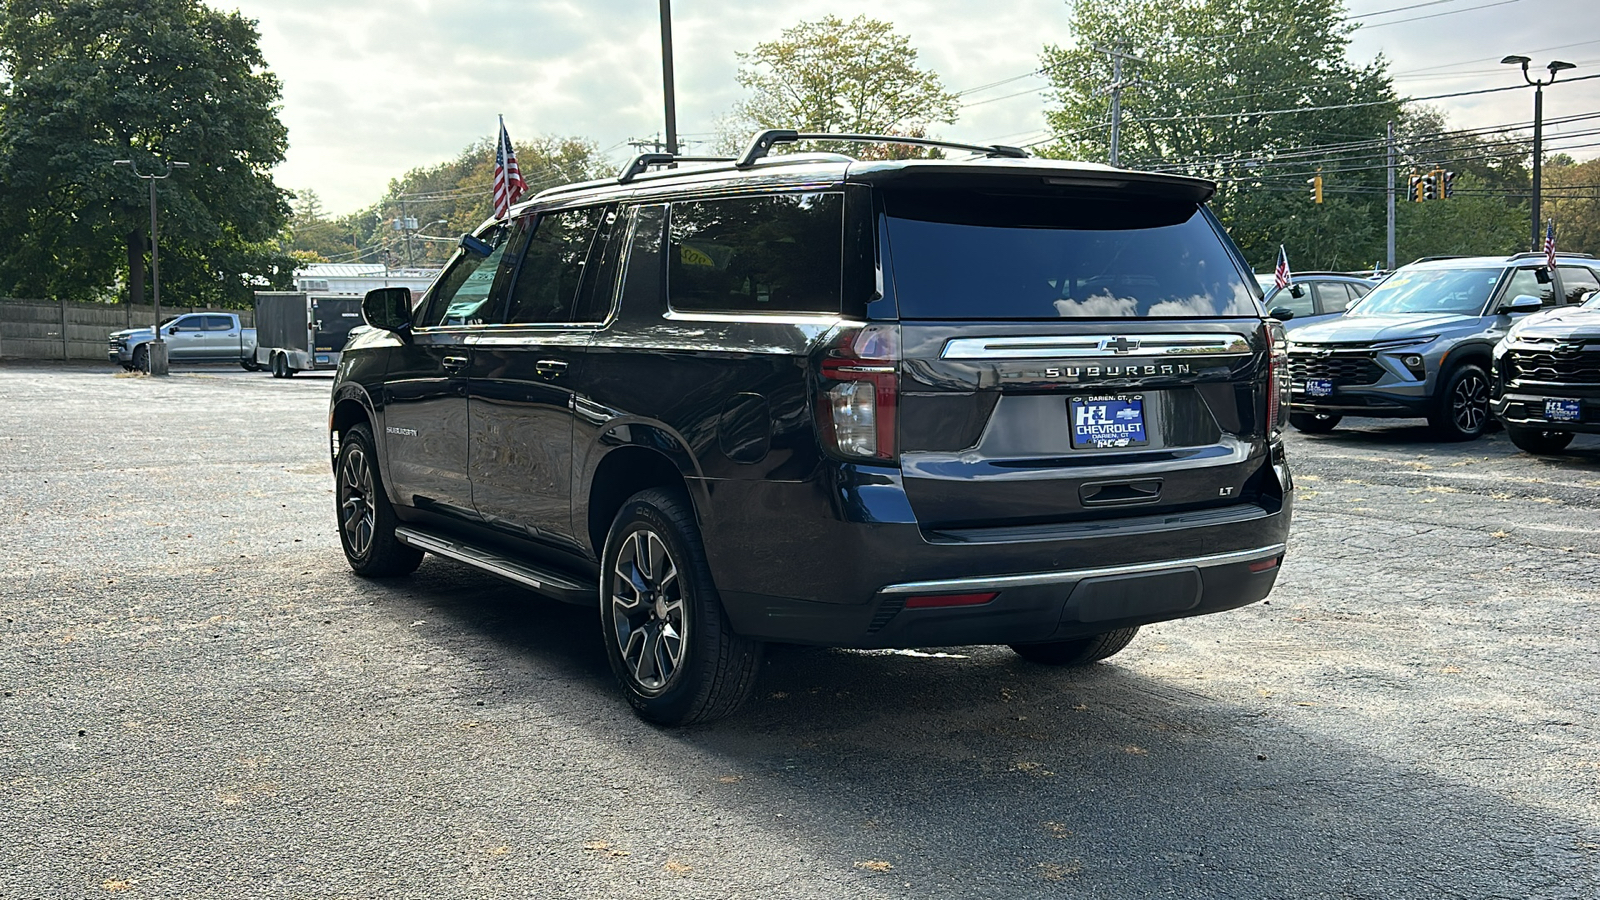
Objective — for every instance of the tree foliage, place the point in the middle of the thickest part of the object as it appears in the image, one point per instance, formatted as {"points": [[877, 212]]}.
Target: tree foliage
{"points": [[1474, 222], [1572, 199], [1205, 98], [856, 77], [92, 81]]}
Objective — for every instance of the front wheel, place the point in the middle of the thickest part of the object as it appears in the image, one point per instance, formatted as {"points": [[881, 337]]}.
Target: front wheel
{"points": [[669, 643], [1314, 423], [141, 359], [249, 365], [1079, 652], [366, 518], [1538, 440], [1462, 412]]}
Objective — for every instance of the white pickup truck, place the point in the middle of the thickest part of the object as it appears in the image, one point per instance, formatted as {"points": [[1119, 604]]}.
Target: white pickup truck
{"points": [[194, 337]]}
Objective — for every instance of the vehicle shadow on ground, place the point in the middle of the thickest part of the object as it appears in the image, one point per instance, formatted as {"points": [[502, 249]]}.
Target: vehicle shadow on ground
{"points": [[968, 766]]}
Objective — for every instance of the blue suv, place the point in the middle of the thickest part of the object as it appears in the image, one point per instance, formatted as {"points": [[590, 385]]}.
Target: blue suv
{"points": [[1419, 345]]}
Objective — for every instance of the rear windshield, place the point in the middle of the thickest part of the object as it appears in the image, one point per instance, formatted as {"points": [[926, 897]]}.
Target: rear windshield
{"points": [[964, 255]]}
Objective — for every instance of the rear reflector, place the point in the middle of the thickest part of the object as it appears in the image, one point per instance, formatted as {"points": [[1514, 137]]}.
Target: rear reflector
{"points": [[937, 600], [1266, 564]]}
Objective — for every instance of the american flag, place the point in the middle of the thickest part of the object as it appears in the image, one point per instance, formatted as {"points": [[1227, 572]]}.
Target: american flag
{"points": [[1281, 277], [1550, 243], [508, 183]]}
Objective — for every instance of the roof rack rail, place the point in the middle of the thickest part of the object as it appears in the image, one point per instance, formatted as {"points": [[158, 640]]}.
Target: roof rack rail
{"points": [[1530, 254], [767, 140], [1434, 258], [645, 161]]}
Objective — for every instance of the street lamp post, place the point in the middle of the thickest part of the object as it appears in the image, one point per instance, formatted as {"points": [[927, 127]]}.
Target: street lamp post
{"points": [[1538, 126], [157, 354]]}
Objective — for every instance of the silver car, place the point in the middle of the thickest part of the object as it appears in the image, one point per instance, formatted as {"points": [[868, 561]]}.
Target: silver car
{"points": [[1419, 345]]}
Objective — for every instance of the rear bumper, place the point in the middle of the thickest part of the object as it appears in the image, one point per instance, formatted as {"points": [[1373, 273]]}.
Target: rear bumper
{"points": [[1049, 583]]}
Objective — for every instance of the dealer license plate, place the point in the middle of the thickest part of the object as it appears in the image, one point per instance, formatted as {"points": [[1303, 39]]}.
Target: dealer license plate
{"points": [[1562, 411], [1319, 387], [1115, 421]]}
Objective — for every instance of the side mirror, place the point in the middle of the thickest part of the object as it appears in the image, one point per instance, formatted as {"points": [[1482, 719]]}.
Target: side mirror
{"points": [[1281, 313], [476, 247], [1522, 303], [173, 329], [388, 308]]}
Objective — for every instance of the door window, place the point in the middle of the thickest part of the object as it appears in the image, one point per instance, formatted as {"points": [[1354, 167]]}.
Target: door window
{"points": [[188, 323], [1526, 281], [780, 253], [219, 323], [553, 266], [1576, 281], [1296, 298], [1332, 296], [463, 293]]}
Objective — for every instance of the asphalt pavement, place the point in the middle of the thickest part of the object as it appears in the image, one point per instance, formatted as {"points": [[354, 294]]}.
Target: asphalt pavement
{"points": [[200, 700]]}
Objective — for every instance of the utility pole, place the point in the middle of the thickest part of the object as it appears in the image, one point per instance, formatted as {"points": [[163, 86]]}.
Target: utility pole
{"points": [[666, 77], [405, 225], [1390, 170], [1115, 90], [156, 357]]}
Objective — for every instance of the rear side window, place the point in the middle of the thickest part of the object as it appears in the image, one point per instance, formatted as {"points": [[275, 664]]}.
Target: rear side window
{"points": [[1576, 281], [1332, 296], [219, 323], [777, 253], [964, 255]]}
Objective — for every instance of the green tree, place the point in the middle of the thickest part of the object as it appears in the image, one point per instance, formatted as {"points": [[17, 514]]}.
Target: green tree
{"points": [[1572, 198], [455, 196], [1208, 97], [1472, 223], [856, 77], [87, 82]]}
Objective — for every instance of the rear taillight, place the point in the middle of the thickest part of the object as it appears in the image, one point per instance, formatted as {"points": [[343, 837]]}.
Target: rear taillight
{"points": [[860, 391], [1277, 378]]}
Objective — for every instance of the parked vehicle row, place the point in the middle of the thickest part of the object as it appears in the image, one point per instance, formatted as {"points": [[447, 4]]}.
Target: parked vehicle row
{"points": [[1422, 344], [820, 400]]}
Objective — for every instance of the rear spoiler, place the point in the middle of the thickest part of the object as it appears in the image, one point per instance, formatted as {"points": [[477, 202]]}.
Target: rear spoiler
{"points": [[1030, 176]]}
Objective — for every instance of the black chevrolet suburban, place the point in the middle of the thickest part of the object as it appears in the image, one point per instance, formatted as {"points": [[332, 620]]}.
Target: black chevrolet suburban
{"points": [[807, 398]]}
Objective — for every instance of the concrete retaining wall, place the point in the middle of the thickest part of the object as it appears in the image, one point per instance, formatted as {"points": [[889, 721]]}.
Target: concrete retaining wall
{"points": [[41, 329]]}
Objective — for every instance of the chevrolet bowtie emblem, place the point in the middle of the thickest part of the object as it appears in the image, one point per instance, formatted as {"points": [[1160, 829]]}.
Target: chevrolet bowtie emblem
{"points": [[1118, 345]]}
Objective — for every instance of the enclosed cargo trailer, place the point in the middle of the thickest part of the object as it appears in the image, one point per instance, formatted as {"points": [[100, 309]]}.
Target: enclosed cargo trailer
{"points": [[299, 332]]}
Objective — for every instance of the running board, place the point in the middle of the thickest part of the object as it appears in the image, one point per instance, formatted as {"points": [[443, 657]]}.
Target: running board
{"points": [[546, 582]]}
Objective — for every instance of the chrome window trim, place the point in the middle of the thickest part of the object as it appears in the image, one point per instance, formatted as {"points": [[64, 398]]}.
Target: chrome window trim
{"points": [[766, 318], [1002, 582], [1046, 347]]}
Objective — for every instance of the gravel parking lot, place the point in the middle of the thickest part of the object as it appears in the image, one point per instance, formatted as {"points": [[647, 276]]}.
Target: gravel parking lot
{"points": [[201, 701]]}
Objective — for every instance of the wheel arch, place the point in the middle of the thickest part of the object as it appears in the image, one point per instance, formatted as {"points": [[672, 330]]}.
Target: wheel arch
{"points": [[625, 471]]}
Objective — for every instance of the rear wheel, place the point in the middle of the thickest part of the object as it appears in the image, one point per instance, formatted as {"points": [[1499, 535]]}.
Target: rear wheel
{"points": [[1462, 411], [366, 519], [249, 365], [667, 638], [1538, 440], [276, 364], [1078, 652], [1314, 423]]}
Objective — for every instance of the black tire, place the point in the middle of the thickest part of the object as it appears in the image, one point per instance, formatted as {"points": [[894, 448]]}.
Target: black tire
{"points": [[1079, 652], [1538, 440], [366, 519], [276, 363], [1461, 412], [249, 365], [141, 359], [675, 656], [1315, 423]]}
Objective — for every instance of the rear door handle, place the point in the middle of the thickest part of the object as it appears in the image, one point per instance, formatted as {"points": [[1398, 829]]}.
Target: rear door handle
{"points": [[550, 366], [455, 363]]}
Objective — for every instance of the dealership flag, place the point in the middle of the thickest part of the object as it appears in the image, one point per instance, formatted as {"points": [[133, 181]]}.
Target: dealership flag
{"points": [[1550, 243], [508, 183], [1281, 277]]}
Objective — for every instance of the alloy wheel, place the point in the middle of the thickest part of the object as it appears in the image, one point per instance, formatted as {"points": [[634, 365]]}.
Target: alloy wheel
{"points": [[1469, 403], [357, 515], [647, 607]]}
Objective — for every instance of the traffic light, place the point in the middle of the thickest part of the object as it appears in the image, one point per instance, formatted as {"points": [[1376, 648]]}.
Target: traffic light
{"points": [[1449, 185], [1430, 185], [1316, 187], [1415, 192]]}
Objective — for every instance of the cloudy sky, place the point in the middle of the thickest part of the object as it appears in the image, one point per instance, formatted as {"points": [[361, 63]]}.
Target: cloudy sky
{"points": [[373, 88]]}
